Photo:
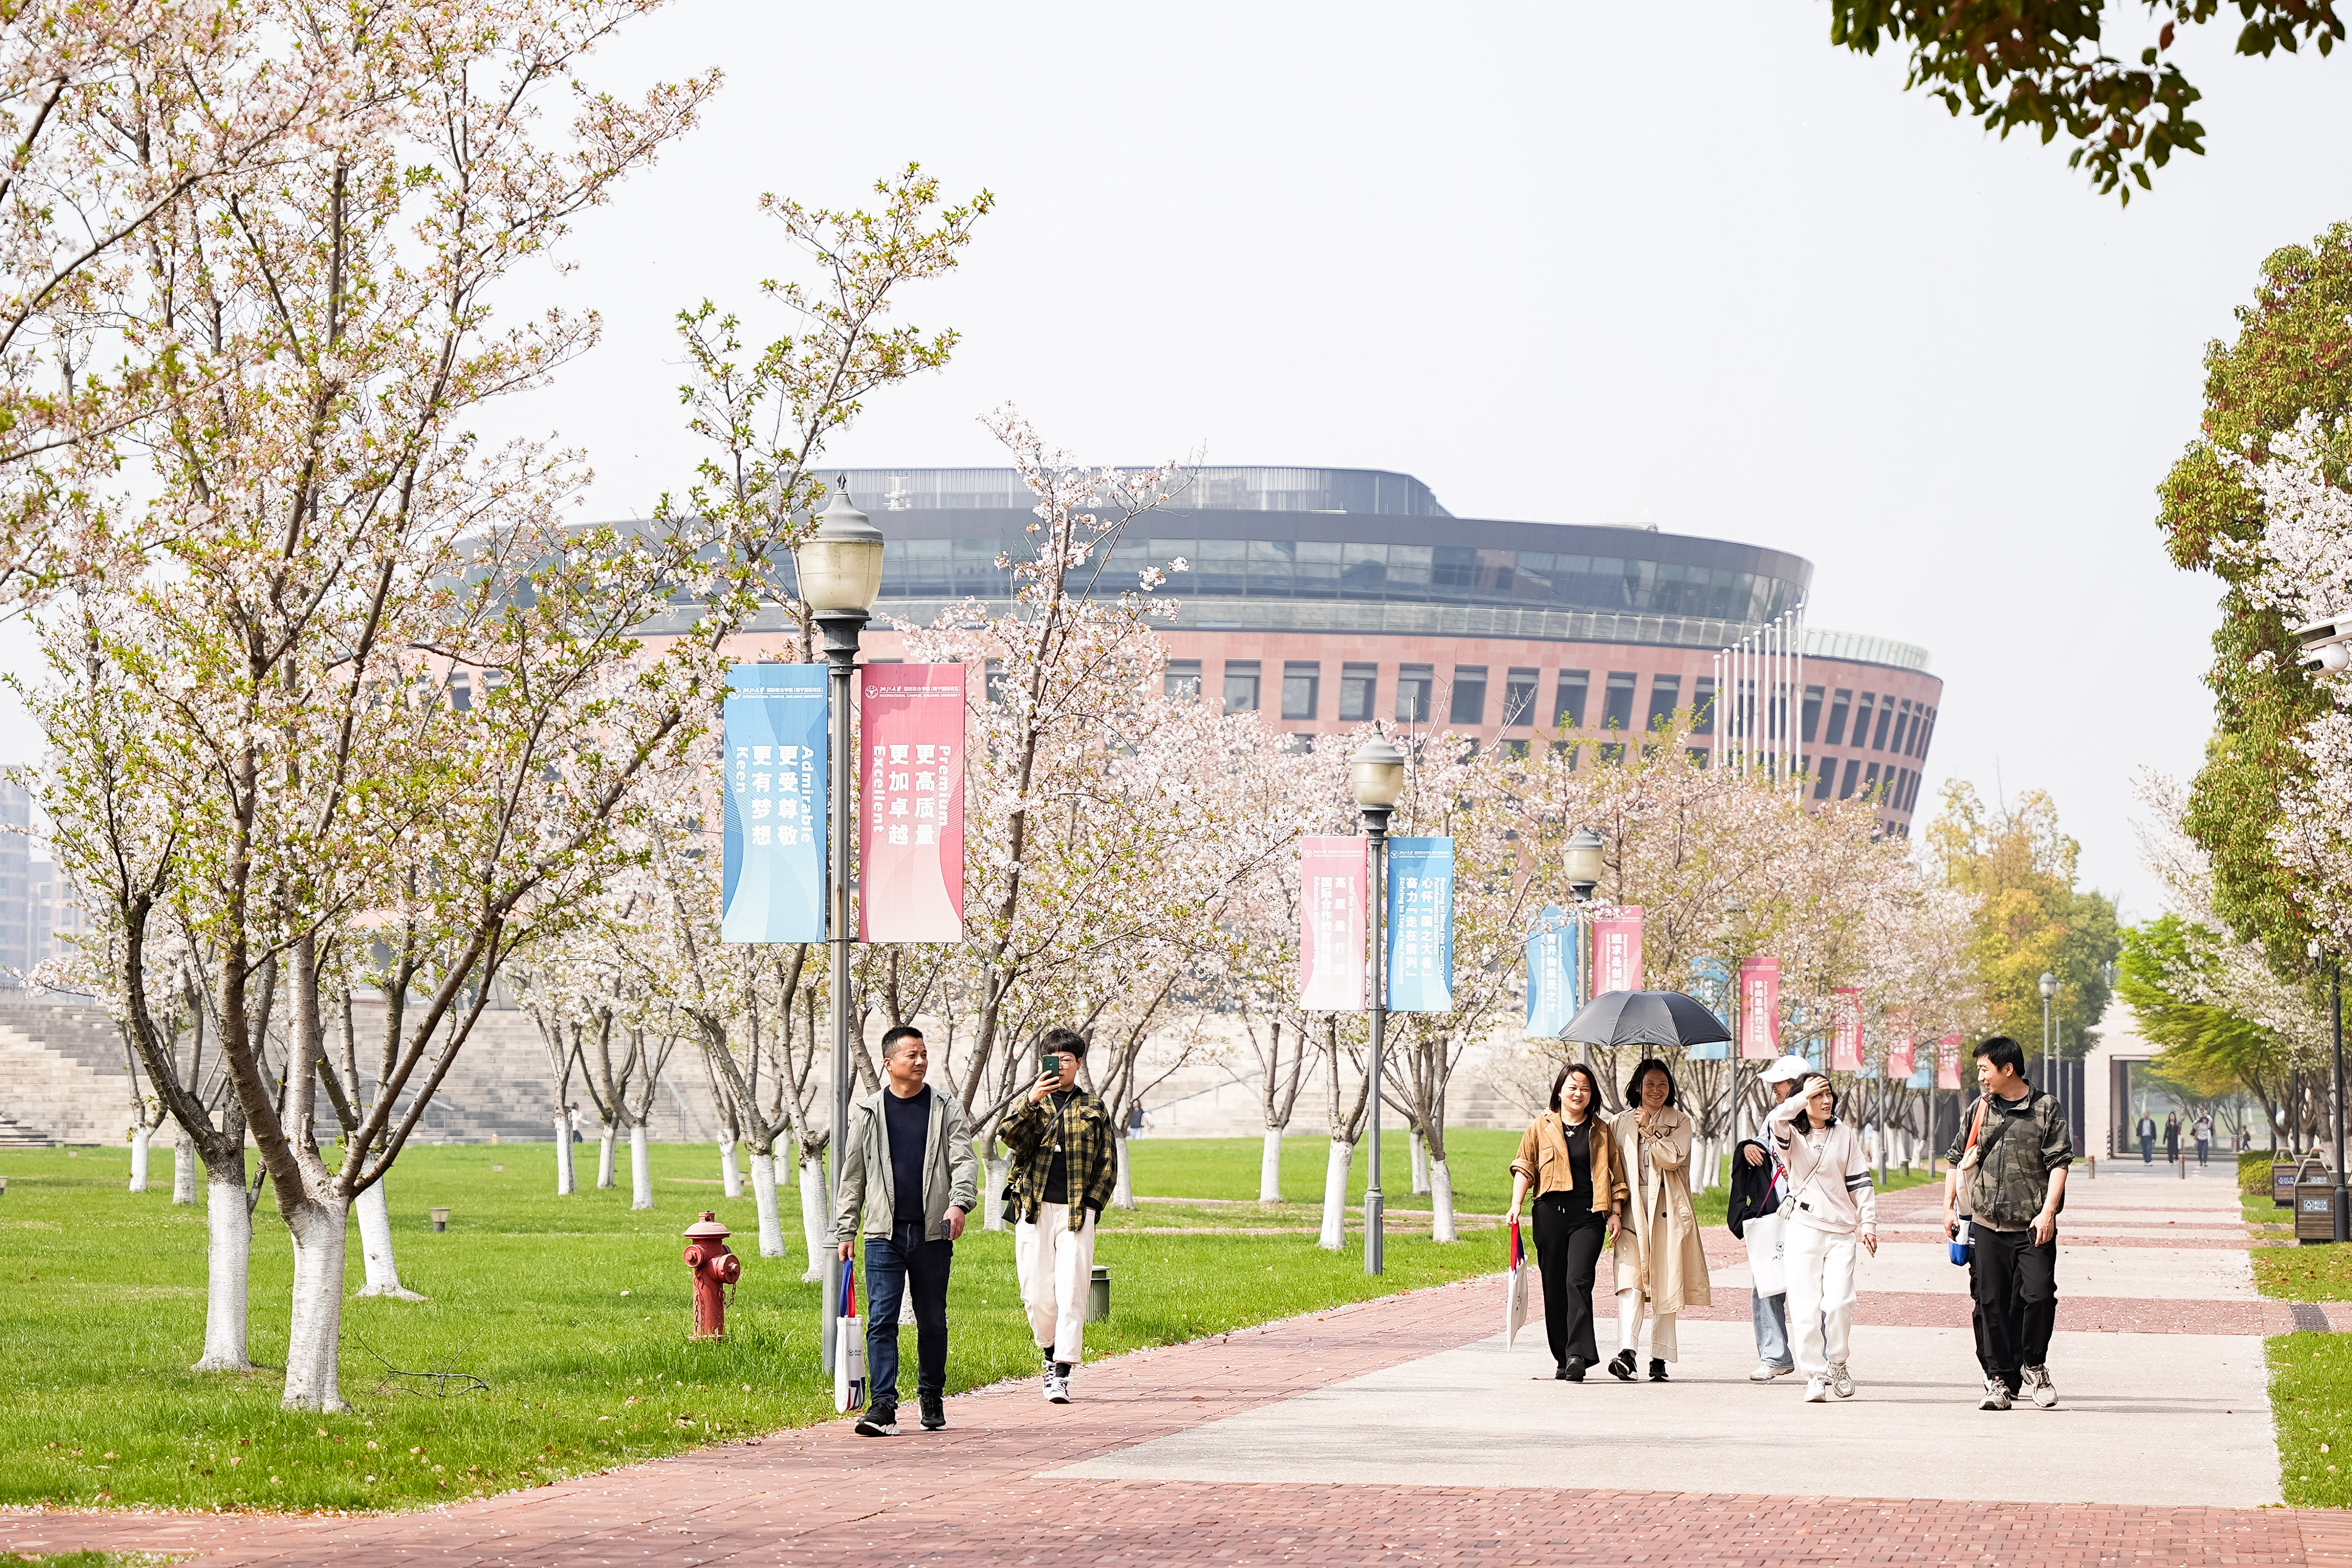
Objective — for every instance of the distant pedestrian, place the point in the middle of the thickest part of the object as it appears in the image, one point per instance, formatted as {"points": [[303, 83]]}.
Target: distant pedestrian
{"points": [[1659, 1257], [911, 1149], [2172, 1138], [1832, 1203], [1579, 1186], [1760, 1182], [2204, 1137], [1064, 1164], [2008, 1163], [2146, 1130]]}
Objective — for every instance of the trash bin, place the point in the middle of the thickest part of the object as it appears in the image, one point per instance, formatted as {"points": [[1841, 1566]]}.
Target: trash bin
{"points": [[1098, 1295], [2282, 1184], [2314, 1211]]}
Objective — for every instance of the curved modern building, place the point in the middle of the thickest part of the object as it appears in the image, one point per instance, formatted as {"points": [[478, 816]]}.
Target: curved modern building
{"points": [[1326, 597]]}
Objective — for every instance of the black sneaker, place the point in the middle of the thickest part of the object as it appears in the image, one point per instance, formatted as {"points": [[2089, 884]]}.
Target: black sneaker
{"points": [[1657, 1370], [935, 1413], [880, 1422], [1621, 1366]]}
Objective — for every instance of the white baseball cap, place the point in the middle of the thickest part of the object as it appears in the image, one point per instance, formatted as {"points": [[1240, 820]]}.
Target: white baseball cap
{"points": [[1788, 1069]]}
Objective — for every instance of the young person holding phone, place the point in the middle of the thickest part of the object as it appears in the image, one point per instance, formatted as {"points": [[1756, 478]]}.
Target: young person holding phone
{"points": [[1064, 1164]]}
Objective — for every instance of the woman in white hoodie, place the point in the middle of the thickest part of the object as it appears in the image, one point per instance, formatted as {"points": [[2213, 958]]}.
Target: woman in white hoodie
{"points": [[1832, 1203]]}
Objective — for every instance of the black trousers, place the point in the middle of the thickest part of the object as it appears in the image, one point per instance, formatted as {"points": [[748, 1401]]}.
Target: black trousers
{"points": [[2015, 1284], [1568, 1247]]}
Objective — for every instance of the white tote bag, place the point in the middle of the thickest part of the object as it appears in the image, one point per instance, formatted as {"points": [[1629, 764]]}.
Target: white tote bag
{"points": [[848, 1348], [1515, 1292], [1766, 1236]]}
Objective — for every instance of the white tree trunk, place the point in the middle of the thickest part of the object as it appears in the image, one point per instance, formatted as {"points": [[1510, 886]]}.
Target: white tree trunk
{"points": [[1269, 1168], [1420, 1164], [641, 1170], [1702, 1165], [184, 1171], [141, 1137], [1335, 1195], [566, 1183], [993, 1200], [315, 1336], [763, 1192], [605, 1157], [730, 1180], [375, 1247], [228, 1262], [814, 1228], [1441, 1190], [1122, 1191]]}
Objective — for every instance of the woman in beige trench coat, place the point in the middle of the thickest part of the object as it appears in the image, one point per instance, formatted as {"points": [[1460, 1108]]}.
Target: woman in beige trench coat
{"points": [[1659, 1258]]}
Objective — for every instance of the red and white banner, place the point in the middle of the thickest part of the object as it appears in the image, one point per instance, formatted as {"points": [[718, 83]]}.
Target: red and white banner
{"points": [[1948, 1061], [1333, 877], [910, 815], [1617, 950], [1845, 1029], [1899, 1062], [1759, 1009]]}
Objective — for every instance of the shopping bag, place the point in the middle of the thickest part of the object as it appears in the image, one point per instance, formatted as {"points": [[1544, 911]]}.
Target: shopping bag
{"points": [[848, 1347], [1766, 1269], [1515, 1298]]}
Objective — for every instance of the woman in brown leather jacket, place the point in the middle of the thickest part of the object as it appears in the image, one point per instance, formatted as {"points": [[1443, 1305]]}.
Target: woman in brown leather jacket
{"points": [[1568, 1156]]}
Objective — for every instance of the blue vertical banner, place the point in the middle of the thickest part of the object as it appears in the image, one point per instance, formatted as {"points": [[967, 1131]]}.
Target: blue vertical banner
{"points": [[1714, 978], [1421, 925], [772, 786], [1551, 973]]}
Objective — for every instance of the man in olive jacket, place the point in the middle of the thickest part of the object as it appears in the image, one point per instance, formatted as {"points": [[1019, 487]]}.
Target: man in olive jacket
{"points": [[1065, 1164], [912, 1147], [2011, 1154]]}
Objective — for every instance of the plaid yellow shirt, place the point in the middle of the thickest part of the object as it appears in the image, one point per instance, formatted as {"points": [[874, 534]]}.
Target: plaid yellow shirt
{"points": [[1081, 1128]]}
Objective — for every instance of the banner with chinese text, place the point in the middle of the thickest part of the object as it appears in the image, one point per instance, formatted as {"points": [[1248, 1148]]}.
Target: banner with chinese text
{"points": [[1551, 973], [1845, 1029], [772, 801], [1421, 925], [1617, 950], [1759, 1009], [1713, 977], [1899, 1056], [1332, 873], [1948, 1061], [910, 820]]}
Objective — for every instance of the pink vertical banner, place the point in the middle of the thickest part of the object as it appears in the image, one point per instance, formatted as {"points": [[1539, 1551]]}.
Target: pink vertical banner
{"points": [[1845, 1029], [1899, 1062], [1617, 950], [1333, 875], [1759, 1009], [1948, 1061], [910, 808]]}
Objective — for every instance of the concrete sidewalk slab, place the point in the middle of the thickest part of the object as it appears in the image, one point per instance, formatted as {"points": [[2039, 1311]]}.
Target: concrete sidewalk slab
{"points": [[1482, 1415]]}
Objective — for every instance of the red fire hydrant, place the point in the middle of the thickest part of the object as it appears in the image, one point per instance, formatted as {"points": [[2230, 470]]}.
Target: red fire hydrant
{"points": [[715, 1269]]}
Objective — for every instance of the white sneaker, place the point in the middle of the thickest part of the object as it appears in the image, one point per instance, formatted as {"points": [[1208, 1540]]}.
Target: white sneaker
{"points": [[1058, 1389], [2037, 1383], [1840, 1379], [1765, 1372], [1816, 1390], [1996, 1396]]}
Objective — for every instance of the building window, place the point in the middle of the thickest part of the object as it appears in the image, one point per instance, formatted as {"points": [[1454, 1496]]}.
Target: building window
{"points": [[1516, 750], [1566, 749], [1886, 715], [1240, 685], [1519, 698], [1358, 688], [1703, 705], [1838, 704], [1612, 754], [1301, 685], [1181, 683], [1299, 745], [1902, 725], [1929, 738], [992, 681], [461, 690], [1828, 777], [1568, 704], [1813, 711], [1617, 711], [1852, 771], [1870, 784], [1666, 696], [1414, 681], [1697, 755], [1862, 722], [1469, 702]]}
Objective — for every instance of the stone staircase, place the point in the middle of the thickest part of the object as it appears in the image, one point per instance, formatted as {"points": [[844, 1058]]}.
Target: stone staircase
{"points": [[62, 1075]]}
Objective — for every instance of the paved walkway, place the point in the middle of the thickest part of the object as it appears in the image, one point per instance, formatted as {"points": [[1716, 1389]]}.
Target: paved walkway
{"points": [[1402, 1431]]}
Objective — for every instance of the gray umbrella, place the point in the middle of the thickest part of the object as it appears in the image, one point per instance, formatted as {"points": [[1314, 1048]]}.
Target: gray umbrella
{"points": [[1644, 1018]]}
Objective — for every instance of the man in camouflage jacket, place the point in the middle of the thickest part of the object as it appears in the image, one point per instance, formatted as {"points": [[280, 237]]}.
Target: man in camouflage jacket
{"points": [[1065, 1164], [2008, 1178]]}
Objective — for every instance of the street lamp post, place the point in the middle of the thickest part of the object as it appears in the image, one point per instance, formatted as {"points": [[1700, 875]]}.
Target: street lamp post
{"points": [[2336, 1014], [1376, 775], [2049, 989], [1582, 862], [840, 572], [1735, 911]]}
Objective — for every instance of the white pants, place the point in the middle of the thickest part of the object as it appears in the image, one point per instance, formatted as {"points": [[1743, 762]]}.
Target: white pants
{"points": [[1821, 1296], [1629, 1328], [1056, 1266]]}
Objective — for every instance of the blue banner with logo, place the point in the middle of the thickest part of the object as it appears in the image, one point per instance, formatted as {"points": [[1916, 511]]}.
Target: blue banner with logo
{"points": [[1713, 978], [1551, 973], [1421, 925], [772, 789]]}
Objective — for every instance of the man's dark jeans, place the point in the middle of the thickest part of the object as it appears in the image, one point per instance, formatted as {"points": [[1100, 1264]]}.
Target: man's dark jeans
{"points": [[903, 1262], [2015, 1284]]}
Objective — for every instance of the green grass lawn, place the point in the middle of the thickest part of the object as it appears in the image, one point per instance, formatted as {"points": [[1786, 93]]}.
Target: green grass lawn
{"points": [[574, 1310], [2311, 1407]]}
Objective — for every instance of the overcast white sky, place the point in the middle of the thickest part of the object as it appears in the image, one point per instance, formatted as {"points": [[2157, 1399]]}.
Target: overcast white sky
{"points": [[1574, 262]]}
